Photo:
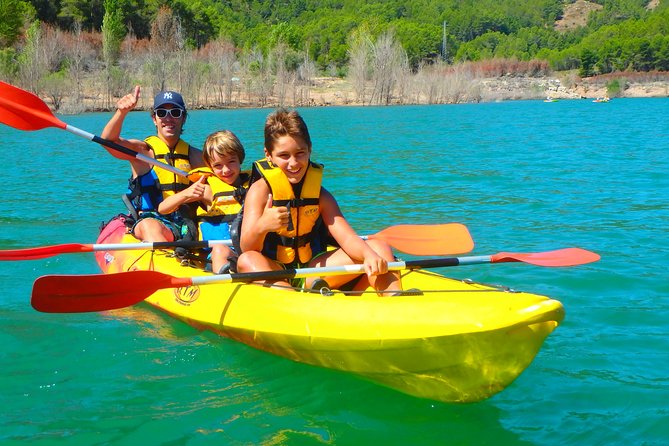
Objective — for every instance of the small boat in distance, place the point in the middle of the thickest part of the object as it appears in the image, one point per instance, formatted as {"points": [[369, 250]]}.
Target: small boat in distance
{"points": [[604, 99], [550, 99]]}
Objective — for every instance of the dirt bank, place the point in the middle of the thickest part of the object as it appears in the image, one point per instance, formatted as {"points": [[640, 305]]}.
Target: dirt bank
{"points": [[329, 91], [334, 91]]}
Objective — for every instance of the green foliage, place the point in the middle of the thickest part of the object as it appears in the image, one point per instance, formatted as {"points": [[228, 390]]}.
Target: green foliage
{"points": [[588, 59], [616, 11], [12, 15], [622, 35], [615, 87], [421, 41], [9, 67], [87, 12], [113, 32], [523, 45], [196, 21]]}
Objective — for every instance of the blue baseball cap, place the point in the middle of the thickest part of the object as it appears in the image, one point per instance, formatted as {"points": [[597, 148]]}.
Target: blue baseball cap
{"points": [[169, 97]]}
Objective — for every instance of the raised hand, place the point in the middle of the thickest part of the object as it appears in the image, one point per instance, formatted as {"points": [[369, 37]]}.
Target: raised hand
{"points": [[129, 101]]}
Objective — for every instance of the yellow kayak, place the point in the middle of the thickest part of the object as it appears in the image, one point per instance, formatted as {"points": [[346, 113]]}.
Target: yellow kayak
{"points": [[457, 342]]}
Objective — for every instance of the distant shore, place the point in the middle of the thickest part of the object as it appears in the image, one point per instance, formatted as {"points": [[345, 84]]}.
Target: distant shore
{"points": [[332, 91], [338, 92]]}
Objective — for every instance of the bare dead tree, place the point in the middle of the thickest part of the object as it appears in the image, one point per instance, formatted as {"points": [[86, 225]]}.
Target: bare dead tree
{"points": [[256, 77], [296, 89], [165, 36], [246, 66], [457, 84], [424, 87], [56, 86], [52, 50], [281, 76], [359, 67], [388, 60], [306, 72], [261, 74], [403, 78], [192, 76], [80, 55], [224, 64]]}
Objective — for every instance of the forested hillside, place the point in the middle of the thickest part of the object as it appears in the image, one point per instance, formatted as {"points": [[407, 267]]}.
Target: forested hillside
{"points": [[334, 37], [473, 29]]}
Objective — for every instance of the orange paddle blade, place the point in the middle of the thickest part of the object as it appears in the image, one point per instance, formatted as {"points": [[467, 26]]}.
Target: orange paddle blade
{"points": [[560, 257], [428, 240], [24, 110]]}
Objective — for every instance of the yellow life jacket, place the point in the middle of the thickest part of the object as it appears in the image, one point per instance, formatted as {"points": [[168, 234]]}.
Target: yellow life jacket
{"points": [[304, 213], [213, 223], [170, 183]]}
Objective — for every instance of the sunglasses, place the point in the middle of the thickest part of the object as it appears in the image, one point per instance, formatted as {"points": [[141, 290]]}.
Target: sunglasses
{"points": [[174, 112]]}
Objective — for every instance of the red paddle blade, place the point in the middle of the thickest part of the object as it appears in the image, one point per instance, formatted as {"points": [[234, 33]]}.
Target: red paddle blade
{"points": [[428, 240], [560, 257], [43, 251], [98, 292], [25, 111]]}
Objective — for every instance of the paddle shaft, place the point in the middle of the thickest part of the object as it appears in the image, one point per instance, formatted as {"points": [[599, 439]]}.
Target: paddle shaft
{"points": [[188, 244], [423, 240], [24, 110], [101, 292], [339, 270], [122, 149]]}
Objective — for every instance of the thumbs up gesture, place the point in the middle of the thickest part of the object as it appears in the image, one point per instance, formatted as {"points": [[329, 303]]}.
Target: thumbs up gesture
{"points": [[195, 191], [129, 101], [274, 218]]}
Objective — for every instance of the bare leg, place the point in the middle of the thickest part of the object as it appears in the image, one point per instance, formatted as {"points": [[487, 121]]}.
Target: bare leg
{"points": [[252, 261], [219, 257], [152, 230], [385, 284]]}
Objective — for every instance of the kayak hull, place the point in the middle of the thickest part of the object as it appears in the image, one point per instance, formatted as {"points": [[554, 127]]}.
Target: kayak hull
{"points": [[458, 342]]}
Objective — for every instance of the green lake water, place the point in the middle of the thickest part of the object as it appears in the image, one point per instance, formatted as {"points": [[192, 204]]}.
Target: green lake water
{"points": [[523, 176]]}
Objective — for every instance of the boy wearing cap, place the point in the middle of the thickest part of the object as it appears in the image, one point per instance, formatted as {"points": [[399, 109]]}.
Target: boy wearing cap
{"points": [[149, 185]]}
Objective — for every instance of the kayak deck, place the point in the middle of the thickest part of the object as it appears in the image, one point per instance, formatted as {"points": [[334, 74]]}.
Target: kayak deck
{"points": [[457, 342]]}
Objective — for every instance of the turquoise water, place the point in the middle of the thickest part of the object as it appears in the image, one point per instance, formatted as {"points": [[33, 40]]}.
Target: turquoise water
{"points": [[523, 176]]}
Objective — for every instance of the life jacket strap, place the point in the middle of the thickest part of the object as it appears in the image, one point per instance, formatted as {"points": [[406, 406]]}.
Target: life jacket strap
{"points": [[296, 242], [176, 187], [171, 157]]}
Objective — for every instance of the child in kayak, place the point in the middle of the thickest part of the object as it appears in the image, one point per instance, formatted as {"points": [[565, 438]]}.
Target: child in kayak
{"points": [[218, 191], [148, 185], [283, 212]]}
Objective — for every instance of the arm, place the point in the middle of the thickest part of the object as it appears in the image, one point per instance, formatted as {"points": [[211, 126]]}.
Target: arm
{"points": [[349, 241], [198, 191], [112, 132], [260, 217]]}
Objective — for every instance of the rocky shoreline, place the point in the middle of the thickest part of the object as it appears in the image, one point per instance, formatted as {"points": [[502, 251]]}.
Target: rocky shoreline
{"points": [[533, 88], [338, 92]]}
